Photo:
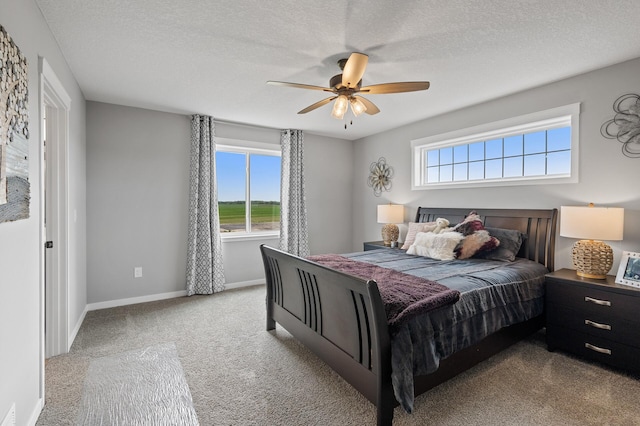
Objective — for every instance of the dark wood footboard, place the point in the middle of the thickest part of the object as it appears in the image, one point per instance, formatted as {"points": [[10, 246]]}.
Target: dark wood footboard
{"points": [[339, 317]]}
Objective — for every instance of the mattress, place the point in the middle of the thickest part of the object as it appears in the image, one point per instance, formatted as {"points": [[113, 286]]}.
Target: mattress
{"points": [[493, 295]]}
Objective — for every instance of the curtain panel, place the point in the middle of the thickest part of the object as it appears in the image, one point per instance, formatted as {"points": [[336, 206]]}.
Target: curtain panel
{"points": [[294, 237], [205, 272]]}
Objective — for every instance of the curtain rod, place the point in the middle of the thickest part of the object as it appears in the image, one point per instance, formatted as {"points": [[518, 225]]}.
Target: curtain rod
{"points": [[235, 123]]}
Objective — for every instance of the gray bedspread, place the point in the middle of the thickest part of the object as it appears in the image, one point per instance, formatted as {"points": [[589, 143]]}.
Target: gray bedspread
{"points": [[493, 295], [405, 296]]}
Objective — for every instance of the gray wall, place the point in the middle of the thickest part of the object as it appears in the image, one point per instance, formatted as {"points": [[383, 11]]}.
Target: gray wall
{"points": [[20, 290], [137, 202], [606, 176], [137, 175]]}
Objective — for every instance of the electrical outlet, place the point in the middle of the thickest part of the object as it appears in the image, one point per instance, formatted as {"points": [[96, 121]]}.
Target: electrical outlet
{"points": [[137, 272]]}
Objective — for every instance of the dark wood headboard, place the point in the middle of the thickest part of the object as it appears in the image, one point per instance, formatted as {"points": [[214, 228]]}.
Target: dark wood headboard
{"points": [[539, 225]]}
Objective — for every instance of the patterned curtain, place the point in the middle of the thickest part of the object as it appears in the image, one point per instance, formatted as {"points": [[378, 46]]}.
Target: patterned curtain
{"points": [[205, 273], [294, 237]]}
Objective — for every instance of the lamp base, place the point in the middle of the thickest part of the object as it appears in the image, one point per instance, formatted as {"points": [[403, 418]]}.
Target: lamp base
{"points": [[592, 259], [390, 232], [595, 277]]}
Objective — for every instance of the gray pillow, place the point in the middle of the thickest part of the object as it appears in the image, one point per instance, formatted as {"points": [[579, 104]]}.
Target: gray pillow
{"points": [[510, 242]]}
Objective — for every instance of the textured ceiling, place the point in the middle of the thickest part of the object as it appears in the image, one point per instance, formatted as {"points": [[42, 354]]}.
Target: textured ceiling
{"points": [[214, 57]]}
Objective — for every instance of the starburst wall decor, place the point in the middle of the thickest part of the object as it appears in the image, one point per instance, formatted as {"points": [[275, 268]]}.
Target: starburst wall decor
{"points": [[380, 174]]}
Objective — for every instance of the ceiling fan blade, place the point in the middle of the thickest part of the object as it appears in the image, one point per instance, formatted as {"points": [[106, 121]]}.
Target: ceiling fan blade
{"points": [[371, 107], [407, 86], [299, 86], [354, 69], [317, 105]]}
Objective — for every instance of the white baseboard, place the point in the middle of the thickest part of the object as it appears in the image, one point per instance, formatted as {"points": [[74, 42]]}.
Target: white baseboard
{"points": [[152, 298], [75, 330], [241, 284], [36, 412], [134, 300]]}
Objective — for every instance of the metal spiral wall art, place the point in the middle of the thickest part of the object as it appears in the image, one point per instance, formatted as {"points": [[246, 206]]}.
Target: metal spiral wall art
{"points": [[625, 125], [380, 174]]}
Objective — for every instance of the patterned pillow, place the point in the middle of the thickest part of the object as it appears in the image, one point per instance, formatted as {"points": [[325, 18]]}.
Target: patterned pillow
{"points": [[414, 228], [476, 237], [436, 246], [474, 243]]}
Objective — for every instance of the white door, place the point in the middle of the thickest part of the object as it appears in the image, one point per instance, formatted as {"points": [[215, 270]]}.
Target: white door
{"points": [[51, 326], [55, 105]]}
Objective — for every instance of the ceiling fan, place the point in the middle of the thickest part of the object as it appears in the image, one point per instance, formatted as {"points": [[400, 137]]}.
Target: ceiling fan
{"points": [[346, 87]]}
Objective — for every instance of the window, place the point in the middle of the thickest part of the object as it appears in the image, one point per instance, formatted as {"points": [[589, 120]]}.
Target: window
{"points": [[248, 189], [539, 147]]}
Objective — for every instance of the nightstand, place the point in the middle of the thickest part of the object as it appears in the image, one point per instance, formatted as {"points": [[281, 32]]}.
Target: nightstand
{"points": [[375, 245], [595, 319]]}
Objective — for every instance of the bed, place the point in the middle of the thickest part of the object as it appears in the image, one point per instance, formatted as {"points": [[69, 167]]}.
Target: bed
{"points": [[342, 318]]}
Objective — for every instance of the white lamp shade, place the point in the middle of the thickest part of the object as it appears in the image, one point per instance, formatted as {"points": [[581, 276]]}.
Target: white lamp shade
{"points": [[592, 223], [390, 213]]}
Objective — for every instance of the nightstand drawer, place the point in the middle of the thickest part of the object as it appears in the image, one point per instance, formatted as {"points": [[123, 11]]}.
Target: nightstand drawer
{"points": [[595, 348], [592, 302], [594, 323]]}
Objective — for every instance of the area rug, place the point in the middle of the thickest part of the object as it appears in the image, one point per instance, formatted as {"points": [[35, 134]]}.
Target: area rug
{"points": [[141, 387]]}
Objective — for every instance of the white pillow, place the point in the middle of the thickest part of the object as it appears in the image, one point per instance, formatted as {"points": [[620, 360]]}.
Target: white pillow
{"points": [[436, 246], [414, 228]]}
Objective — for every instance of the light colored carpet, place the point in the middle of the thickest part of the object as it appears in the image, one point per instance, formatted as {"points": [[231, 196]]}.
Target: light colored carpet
{"points": [[143, 386], [240, 374]]}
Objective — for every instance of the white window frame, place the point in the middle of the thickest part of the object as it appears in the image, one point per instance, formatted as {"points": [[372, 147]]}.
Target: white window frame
{"points": [[248, 147], [537, 121]]}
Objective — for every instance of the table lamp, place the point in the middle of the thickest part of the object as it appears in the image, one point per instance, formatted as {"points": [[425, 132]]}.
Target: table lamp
{"points": [[591, 257], [390, 214]]}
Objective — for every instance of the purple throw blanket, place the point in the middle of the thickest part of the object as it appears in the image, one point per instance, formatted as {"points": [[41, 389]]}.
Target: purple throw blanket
{"points": [[404, 296]]}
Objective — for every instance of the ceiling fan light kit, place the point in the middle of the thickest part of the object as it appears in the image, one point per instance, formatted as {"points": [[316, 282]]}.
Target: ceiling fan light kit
{"points": [[340, 107], [345, 86], [357, 107]]}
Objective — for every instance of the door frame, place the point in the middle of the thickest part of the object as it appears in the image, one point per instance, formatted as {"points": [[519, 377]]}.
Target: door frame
{"points": [[54, 299]]}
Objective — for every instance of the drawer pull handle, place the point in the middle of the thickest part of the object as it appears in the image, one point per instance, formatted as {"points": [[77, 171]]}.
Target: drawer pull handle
{"points": [[597, 301], [597, 349], [597, 325]]}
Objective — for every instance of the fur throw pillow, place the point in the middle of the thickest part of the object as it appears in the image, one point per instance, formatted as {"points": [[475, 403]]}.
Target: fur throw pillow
{"points": [[436, 246], [476, 237], [414, 228]]}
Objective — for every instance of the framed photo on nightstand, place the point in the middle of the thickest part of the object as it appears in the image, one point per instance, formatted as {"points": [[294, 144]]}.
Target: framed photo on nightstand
{"points": [[629, 270]]}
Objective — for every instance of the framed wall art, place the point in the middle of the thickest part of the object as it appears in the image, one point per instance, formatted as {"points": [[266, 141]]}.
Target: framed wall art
{"points": [[14, 131], [629, 270]]}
